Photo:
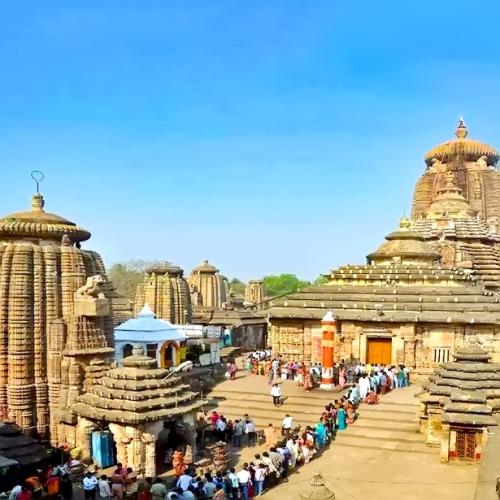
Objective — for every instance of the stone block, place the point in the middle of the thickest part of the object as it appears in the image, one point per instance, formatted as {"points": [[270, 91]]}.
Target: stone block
{"points": [[92, 307]]}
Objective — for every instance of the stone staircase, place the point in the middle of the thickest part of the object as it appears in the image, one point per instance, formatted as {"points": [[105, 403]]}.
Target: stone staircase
{"points": [[390, 426]]}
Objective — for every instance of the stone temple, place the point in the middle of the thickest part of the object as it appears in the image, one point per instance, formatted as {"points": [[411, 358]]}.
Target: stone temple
{"points": [[56, 324], [428, 290], [57, 345], [456, 205], [165, 290]]}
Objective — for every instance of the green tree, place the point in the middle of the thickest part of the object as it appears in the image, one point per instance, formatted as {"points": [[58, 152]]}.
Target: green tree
{"points": [[282, 284], [238, 286], [126, 276], [320, 280]]}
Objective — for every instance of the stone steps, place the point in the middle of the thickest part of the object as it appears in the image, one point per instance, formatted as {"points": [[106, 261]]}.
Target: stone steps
{"points": [[385, 447], [390, 426], [383, 434]]}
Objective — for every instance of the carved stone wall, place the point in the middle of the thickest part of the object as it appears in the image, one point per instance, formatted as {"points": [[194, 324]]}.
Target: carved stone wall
{"points": [[413, 345], [167, 293], [37, 287], [208, 288], [254, 292]]}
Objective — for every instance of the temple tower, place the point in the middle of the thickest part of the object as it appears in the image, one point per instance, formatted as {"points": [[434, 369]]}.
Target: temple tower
{"points": [[474, 165], [208, 287], [166, 291], [56, 328], [254, 292]]}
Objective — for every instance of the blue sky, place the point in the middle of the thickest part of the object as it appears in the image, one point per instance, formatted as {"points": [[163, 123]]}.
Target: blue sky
{"points": [[266, 136]]}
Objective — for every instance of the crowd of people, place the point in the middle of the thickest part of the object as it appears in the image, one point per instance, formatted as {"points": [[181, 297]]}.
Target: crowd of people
{"points": [[286, 448], [378, 378]]}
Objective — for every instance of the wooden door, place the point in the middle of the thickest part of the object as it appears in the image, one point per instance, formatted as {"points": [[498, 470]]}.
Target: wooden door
{"points": [[466, 445], [379, 351]]}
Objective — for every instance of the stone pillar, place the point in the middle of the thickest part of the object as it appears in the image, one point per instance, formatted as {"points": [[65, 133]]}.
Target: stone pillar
{"points": [[136, 449], [447, 448], [149, 441], [328, 327], [84, 438], [433, 435], [409, 353], [121, 442]]}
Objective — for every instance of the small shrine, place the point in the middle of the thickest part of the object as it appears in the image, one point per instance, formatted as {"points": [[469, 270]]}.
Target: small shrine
{"points": [[317, 489], [208, 287], [160, 339], [458, 405], [136, 403]]}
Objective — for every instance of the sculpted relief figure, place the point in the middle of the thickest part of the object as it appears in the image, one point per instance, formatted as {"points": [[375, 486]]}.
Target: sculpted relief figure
{"points": [[482, 163], [93, 288], [492, 225]]}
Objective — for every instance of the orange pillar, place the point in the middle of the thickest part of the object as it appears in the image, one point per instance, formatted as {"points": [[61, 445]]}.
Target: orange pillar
{"points": [[328, 327]]}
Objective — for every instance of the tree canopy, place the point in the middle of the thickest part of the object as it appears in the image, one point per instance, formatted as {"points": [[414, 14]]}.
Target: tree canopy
{"points": [[238, 286], [282, 284], [126, 276]]}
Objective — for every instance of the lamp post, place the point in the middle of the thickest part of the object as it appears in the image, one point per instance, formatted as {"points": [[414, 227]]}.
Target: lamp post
{"points": [[328, 326]]}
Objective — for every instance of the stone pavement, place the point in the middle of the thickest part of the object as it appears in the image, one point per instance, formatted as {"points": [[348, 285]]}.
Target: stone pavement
{"points": [[489, 469], [381, 456]]}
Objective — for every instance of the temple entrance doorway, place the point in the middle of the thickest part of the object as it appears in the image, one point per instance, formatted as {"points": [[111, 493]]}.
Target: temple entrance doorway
{"points": [[168, 355], [169, 440], [379, 351]]}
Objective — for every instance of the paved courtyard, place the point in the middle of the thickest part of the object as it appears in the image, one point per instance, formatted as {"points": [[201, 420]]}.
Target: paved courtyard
{"points": [[380, 458]]}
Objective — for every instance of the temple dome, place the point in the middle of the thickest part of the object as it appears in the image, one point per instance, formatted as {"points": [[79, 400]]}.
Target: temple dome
{"points": [[37, 223], [405, 246], [205, 267], [471, 149], [146, 327], [163, 268]]}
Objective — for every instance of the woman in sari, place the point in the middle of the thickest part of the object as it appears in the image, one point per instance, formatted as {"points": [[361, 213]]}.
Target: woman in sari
{"points": [[342, 377], [300, 375], [371, 398], [321, 434], [267, 367], [306, 448], [308, 383], [350, 411], [271, 437], [341, 419], [255, 367], [232, 371], [248, 365], [178, 462]]}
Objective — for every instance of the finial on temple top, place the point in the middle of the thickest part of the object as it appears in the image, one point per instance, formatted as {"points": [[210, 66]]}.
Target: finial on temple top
{"points": [[37, 176], [461, 131]]}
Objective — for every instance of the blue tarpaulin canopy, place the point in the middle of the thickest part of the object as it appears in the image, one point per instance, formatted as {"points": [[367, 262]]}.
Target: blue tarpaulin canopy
{"points": [[147, 328]]}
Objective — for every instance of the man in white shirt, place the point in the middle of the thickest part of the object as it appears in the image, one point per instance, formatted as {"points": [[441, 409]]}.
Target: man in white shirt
{"points": [[276, 394], [104, 488], [89, 486], [244, 481], [251, 433], [184, 481], [221, 425], [287, 425]]}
